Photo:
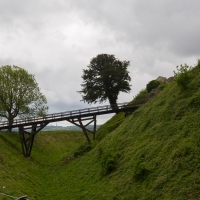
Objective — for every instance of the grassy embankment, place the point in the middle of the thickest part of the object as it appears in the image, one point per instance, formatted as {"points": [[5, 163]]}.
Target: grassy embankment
{"points": [[154, 153]]}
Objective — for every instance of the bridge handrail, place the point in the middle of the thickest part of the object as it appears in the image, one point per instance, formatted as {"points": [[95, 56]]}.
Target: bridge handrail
{"points": [[72, 113]]}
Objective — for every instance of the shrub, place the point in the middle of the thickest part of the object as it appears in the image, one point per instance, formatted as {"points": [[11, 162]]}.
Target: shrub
{"points": [[108, 163], [152, 85], [140, 172], [182, 76]]}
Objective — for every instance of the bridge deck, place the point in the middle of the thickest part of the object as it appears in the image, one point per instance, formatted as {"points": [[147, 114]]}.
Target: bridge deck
{"points": [[100, 110], [29, 127]]}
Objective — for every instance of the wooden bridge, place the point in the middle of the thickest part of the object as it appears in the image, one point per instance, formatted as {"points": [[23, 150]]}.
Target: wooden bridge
{"points": [[29, 127]]}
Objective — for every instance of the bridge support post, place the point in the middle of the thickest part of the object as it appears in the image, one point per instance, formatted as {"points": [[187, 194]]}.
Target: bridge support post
{"points": [[27, 135], [79, 122]]}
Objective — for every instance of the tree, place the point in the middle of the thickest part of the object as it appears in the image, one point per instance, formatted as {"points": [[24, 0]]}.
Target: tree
{"points": [[19, 94], [105, 77]]}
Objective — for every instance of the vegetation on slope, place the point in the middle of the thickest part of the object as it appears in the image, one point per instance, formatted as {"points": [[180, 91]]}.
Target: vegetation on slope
{"points": [[154, 153]]}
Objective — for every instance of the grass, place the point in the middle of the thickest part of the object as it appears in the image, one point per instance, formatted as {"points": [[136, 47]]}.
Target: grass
{"points": [[30, 176], [153, 153]]}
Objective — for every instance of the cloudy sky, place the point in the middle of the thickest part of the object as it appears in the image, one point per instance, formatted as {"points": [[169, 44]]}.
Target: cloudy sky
{"points": [[56, 39]]}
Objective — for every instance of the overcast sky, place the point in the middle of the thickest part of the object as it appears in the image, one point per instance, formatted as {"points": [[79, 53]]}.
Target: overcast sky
{"points": [[56, 39]]}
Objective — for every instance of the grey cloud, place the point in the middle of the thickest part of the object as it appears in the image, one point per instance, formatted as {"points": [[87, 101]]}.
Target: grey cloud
{"points": [[55, 40], [157, 24], [62, 106]]}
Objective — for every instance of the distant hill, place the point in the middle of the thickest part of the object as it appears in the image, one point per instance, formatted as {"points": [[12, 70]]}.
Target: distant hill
{"points": [[53, 128], [90, 127]]}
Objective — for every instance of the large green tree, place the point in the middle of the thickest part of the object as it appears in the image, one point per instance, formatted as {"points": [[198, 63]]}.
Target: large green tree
{"points": [[20, 95], [104, 78]]}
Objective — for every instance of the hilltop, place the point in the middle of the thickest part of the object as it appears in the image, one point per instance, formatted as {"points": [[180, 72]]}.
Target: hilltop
{"points": [[153, 153]]}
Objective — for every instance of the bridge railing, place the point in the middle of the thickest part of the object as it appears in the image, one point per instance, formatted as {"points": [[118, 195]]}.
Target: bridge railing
{"points": [[68, 114]]}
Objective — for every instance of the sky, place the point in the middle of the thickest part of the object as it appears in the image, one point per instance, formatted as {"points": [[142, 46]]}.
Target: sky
{"points": [[56, 39]]}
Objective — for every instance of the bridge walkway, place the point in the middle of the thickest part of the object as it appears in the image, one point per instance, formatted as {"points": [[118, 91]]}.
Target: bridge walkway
{"points": [[29, 127]]}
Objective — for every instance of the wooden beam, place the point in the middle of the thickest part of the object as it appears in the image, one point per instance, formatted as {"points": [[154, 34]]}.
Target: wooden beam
{"points": [[27, 138], [79, 122], [84, 130]]}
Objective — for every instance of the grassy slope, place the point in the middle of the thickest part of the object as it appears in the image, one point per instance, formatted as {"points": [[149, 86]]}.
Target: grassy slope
{"points": [[19, 176], [152, 154]]}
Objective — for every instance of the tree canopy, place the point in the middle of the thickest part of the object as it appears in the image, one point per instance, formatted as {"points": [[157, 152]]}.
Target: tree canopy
{"points": [[19, 94], [104, 78]]}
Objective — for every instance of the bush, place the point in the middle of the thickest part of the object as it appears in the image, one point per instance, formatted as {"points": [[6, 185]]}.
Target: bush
{"points": [[152, 85], [182, 76], [140, 172], [109, 163]]}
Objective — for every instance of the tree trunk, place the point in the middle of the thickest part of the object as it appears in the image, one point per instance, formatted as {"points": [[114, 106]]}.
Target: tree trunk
{"points": [[10, 122], [113, 103]]}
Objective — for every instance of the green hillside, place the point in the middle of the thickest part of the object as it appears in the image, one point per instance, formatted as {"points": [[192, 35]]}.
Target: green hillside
{"points": [[153, 153]]}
